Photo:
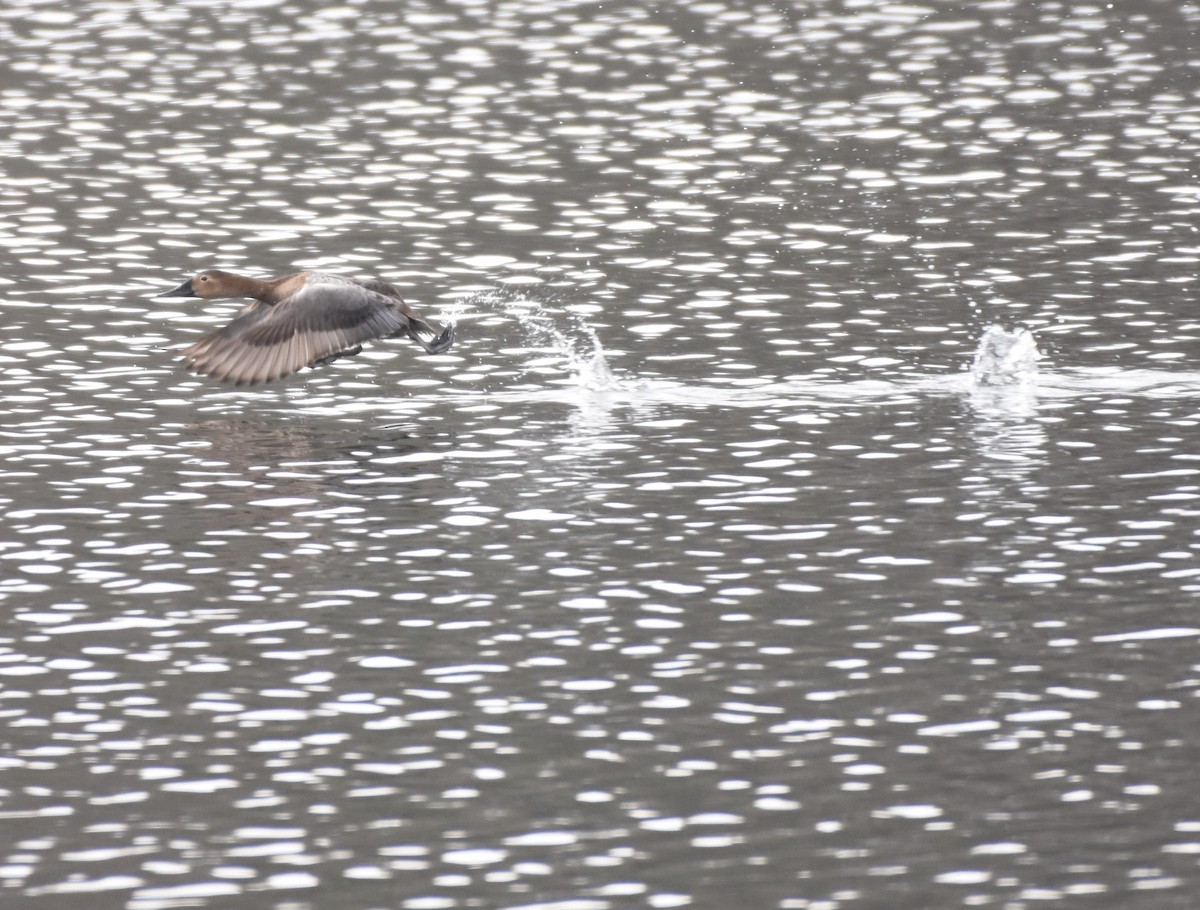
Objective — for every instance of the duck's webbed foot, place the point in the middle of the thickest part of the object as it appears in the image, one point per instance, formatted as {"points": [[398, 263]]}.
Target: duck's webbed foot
{"points": [[438, 344], [338, 355]]}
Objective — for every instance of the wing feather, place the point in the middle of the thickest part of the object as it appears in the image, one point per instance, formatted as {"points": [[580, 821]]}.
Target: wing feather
{"points": [[325, 317]]}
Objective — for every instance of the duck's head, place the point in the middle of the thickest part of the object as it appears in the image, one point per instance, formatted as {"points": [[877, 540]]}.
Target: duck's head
{"points": [[209, 283]]}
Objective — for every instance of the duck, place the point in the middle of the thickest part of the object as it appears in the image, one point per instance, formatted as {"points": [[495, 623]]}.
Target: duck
{"points": [[304, 319]]}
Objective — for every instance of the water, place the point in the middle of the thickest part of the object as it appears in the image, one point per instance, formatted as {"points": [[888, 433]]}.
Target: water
{"points": [[1005, 357], [805, 517]]}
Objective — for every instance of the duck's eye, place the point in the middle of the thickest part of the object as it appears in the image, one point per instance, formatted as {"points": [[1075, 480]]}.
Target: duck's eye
{"points": [[204, 278]]}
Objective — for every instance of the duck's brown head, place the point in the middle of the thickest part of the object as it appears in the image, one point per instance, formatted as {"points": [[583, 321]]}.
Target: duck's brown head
{"points": [[209, 283]]}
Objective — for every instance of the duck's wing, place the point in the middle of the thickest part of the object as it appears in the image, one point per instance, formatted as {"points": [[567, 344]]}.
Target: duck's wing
{"points": [[418, 329], [416, 322], [270, 341], [377, 286]]}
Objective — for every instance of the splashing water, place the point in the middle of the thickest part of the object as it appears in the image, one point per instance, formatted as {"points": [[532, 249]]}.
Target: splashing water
{"points": [[566, 336], [583, 353], [1005, 358]]}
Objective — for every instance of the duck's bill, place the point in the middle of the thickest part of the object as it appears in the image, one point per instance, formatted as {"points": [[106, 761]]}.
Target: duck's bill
{"points": [[184, 290]]}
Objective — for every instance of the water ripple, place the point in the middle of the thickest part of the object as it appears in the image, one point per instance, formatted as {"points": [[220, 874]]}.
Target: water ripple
{"points": [[716, 562]]}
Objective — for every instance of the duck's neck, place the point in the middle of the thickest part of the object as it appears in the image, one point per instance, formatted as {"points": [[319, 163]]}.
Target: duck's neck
{"points": [[241, 285], [245, 286], [277, 289]]}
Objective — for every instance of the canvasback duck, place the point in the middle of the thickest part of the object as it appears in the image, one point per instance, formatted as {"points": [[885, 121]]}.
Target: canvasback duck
{"points": [[299, 320]]}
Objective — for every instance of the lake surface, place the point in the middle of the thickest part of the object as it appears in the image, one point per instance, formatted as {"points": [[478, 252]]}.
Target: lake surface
{"points": [[710, 567]]}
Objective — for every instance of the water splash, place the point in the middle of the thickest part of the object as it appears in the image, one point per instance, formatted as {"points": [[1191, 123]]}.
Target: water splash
{"points": [[1005, 358], [1004, 382], [566, 337]]}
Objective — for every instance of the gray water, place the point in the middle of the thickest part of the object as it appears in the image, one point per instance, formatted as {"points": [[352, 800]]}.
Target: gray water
{"points": [[732, 557]]}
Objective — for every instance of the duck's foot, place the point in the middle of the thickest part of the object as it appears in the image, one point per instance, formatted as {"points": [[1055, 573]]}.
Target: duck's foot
{"points": [[438, 344], [330, 358]]}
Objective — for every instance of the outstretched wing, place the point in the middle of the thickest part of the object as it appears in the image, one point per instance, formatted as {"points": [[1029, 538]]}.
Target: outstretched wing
{"points": [[267, 342], [416, 324]]}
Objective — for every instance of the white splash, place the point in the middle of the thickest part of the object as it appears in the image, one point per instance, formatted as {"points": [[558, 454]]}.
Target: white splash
{"points": [[1005, 358], [566, 337]]}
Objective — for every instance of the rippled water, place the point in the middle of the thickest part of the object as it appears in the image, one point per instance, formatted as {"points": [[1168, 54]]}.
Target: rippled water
{"points": [[805, 518]]}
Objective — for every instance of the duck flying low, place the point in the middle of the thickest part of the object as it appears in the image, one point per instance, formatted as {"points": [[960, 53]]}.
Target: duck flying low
{"points": [[300, 320]]}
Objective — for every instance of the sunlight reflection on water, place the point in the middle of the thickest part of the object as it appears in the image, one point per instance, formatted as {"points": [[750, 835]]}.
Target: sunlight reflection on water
{"points": [[708, 567]]}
